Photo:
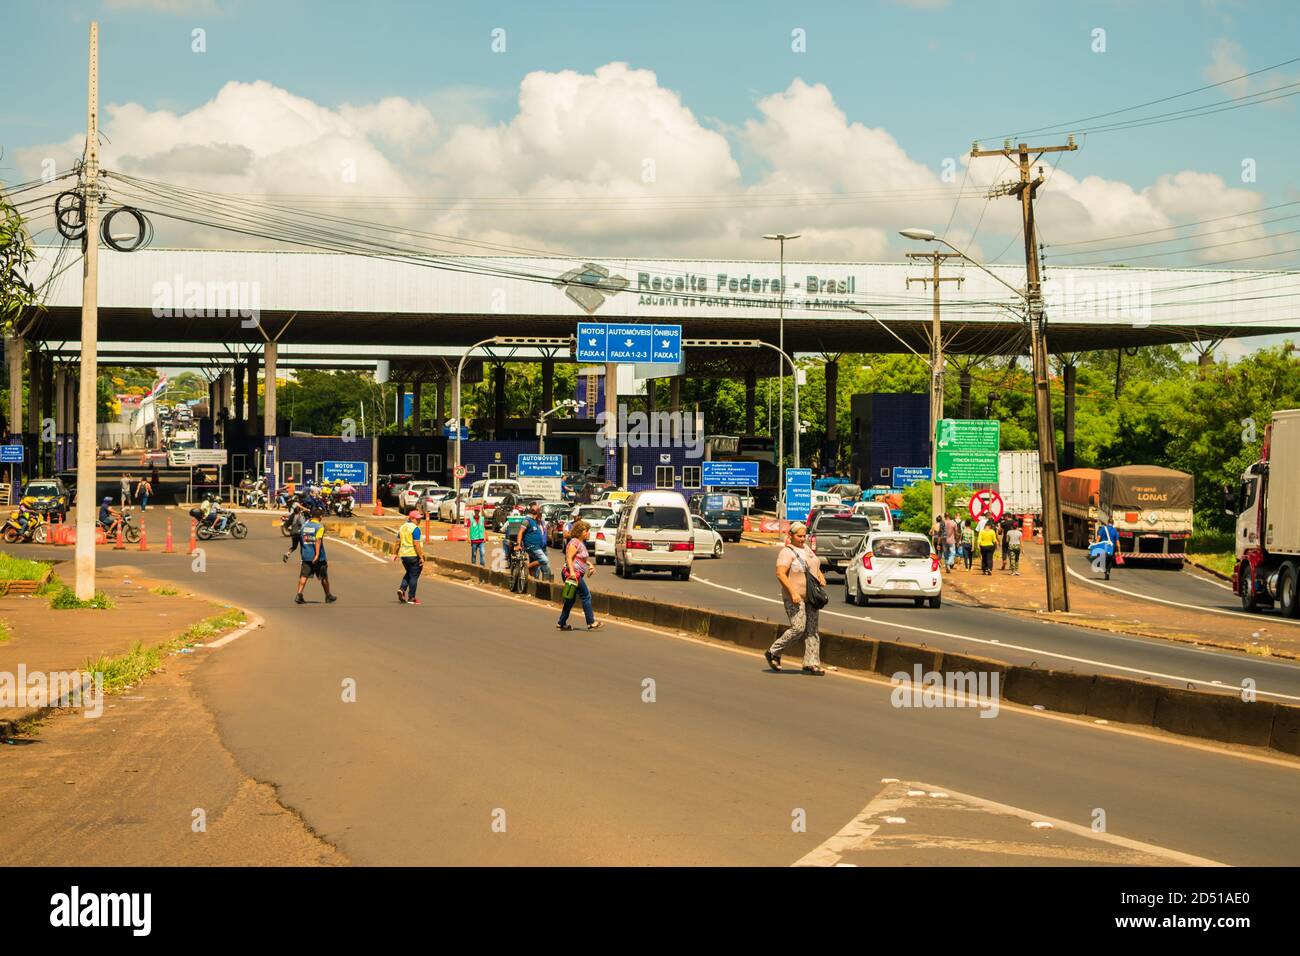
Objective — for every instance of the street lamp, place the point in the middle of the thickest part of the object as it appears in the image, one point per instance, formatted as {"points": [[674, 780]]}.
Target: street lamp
{"points": [[541, 420], [782, 237]]}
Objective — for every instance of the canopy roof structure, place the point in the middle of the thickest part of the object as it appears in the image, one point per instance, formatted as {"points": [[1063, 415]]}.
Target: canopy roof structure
{"points": [[355, 307]]}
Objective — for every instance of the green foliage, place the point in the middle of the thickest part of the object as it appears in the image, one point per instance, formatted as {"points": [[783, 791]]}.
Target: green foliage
{"points": [[16, 256], [20, 569], [65, 599]]}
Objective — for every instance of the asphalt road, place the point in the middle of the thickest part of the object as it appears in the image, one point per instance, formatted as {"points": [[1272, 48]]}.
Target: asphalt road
{"points": [[473, 709], [743, 581]]}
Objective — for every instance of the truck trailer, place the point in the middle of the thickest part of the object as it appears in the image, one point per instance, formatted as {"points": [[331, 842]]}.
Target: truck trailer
{"points": [[1267, 507], [1078, 493], [1150, 507]]}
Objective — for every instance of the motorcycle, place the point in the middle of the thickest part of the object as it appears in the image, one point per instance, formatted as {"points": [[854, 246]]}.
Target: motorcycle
{"points": [[224, 525], [256, 499], [31, 530], [342, 507], [130, 533]]}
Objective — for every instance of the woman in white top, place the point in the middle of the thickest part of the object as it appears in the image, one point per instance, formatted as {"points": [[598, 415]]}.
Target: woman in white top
{"points": [[793, 564]]}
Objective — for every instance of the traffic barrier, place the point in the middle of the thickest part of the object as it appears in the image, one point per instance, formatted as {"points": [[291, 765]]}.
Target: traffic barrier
{"points": [[745, 525], [194, 535], [1193, 713], [457, 532], [144, 536], [1196, 713], [120, 544], [1062, 691], [101, 536], [167, 545]]}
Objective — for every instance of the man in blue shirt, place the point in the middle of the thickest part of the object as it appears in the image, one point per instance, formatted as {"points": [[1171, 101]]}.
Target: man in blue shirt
{"points": [[532, 538], [1106, 546], [314, 561]]}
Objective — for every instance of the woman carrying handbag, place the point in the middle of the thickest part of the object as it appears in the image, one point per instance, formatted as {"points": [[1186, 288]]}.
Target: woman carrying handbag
{"points": [[803, 591], [577, 568]]}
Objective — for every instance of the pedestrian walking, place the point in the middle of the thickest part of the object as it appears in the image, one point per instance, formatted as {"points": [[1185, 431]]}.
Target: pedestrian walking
{"points": [[154, 480], [988, 542], [315, 563], [967, 543], [297, 518], [577, 569], [1103, 550], [1004, 526], [125, 487], [410, 550], [950, 537], [1012, 548], [143, 492], [477, 538], [794, 565]]}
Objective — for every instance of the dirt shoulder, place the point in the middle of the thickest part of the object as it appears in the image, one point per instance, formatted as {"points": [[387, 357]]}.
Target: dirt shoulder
{"points": [[123, 788]]}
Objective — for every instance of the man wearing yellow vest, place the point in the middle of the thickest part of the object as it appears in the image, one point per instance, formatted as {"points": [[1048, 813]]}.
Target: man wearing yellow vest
{"points": [[410, 549]]}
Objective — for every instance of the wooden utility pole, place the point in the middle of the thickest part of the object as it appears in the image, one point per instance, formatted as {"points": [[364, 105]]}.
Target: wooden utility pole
{"points": [[1058, 597], [937, 504], [88, 391]]}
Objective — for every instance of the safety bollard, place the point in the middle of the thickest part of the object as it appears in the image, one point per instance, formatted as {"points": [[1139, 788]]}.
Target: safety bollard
{"points": [[167, 545], [194, 535]]}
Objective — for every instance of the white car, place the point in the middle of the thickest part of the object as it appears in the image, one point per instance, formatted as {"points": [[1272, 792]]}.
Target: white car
{"points": [[413, 495], [451, 507], [595, 516], [894, 564], [654, 534], [605, 535], [707, 541], [882, 519]]}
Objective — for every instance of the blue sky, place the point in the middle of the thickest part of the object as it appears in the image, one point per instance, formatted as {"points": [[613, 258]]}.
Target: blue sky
{"points": [[935, 78]]}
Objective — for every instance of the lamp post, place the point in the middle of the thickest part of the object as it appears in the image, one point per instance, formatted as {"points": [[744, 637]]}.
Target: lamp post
{"points": [[541, 420], [782, 238]]}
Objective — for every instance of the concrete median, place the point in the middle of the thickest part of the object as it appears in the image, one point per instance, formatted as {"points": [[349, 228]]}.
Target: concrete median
{"points": [[1191, 713]]}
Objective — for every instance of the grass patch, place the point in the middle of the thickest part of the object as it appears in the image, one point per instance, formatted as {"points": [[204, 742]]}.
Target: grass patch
{"points": [[21, 569], [65, 599], [1223, 562], [140, 662], [164, 591], [4, 631]]}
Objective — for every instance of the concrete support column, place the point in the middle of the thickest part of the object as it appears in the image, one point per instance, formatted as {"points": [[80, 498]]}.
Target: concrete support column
{"points": [[268, 403], [61, 401], [965, 391], [238, 413], [34, 390], [675, 403], [498, 401], [831, 449], [1205, 359], [417, 396], [651, 399], [439, 405], [751, 399], [252, 419], [399, 406], [1067, 458], [14, 346], [548, 385]]}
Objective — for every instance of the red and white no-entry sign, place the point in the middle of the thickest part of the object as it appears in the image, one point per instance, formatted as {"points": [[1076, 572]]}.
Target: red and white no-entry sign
{"points": [[986, 503]]}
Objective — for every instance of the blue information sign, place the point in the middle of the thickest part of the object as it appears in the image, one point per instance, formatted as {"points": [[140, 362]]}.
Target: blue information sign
{"points": [[629, 343], [540, 466], [729, 474], [11, 454], [591, 342], [449, 432], [353, 472], [798, 493], [910, 476]]}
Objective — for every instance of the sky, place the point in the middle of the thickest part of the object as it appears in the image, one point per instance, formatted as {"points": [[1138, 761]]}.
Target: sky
{"points": [[689, 129]]}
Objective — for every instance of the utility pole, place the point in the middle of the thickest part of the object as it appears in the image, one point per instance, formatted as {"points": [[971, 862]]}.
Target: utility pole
{"points": [[1058, 597], [937, 504], [88, 392]]}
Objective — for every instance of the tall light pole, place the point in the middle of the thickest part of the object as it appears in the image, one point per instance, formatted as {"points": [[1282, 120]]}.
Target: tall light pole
{"points": [[782, 237]]}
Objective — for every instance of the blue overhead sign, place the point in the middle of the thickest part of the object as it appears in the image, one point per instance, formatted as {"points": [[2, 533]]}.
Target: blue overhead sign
{"points": [[591, 342], [629, 343], [353, 472], [540, 466], [910, 476], [729, 474], [798, 493], [11, 454]]}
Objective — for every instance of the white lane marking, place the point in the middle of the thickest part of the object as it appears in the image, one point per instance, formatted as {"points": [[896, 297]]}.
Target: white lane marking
{"points": [[992, 643], [254, 622], [857, 831], [358, 549], [1239, 615]]}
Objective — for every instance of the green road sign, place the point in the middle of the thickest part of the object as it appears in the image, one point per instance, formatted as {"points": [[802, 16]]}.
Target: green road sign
{"points": [[967, 450]]}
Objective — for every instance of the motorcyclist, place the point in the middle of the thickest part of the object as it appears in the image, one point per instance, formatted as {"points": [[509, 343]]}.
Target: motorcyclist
{"points": [[210, 509], [26, 517], [110, 519], [344, 496]]}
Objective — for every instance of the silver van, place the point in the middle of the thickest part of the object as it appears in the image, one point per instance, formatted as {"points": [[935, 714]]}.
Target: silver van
{"points": [[654, 534]]}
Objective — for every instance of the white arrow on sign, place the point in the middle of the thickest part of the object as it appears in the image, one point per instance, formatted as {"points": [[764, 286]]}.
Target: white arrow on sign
{"points": [[628, 343], [667, 344], [592, 343]]}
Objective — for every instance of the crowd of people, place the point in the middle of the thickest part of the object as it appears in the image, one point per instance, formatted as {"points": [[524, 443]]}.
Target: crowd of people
{"points": [[962, 540]]}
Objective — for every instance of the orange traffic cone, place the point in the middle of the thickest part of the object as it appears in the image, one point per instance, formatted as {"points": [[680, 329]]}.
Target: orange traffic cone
{"points": [[426, 526], [379, 508], [167, 546], [746, 526], [144, 537], [458, 532], [194, 535], [101, 536], [121, 543]]}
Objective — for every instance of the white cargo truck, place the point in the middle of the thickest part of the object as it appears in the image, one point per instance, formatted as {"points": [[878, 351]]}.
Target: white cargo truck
{"points": [[1020, 483], [1267, 506]]}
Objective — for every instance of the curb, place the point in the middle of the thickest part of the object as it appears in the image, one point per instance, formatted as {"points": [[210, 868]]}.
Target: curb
{"points": [[1208, 570], [1188, 713]]}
